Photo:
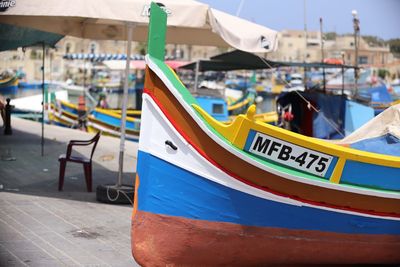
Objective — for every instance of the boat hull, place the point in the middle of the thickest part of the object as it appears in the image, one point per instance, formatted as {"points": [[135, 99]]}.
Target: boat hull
{"points": [[189, 212], [109, 122], [199, 242], [205, 196]]}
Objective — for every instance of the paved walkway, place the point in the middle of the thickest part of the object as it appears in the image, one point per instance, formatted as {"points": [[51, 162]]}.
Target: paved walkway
{"points": [[40, 226]]}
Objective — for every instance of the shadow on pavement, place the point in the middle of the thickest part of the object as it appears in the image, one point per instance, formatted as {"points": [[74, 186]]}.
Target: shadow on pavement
{"points": [[24, 171]]}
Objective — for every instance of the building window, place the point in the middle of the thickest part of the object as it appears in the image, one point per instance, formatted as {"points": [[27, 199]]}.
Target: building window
{"points": [[67, 48], [92, 48], [351, 44], [363, 60], [217, 108]]}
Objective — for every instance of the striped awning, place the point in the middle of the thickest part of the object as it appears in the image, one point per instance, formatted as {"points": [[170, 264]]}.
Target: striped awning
{"points": [[100, 57]]}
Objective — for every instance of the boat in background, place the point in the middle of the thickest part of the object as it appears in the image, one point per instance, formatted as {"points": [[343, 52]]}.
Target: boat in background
{"points": [[320, 115], [109, 123], [240, 105], [8, 81], [251, 194], [64, 113]]}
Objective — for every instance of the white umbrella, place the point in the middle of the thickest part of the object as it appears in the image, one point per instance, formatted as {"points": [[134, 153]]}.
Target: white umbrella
{"points": [[189, 22]]}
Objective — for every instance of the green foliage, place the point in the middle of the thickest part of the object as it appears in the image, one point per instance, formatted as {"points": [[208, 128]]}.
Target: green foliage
{"points": [[382, 73], [141, 48], [374, 40], [330, 35], [394, 46]]}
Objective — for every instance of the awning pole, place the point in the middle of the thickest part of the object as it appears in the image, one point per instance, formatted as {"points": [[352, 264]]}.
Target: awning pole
{"points": [[196, 76], [42, 142], [124, 104]]}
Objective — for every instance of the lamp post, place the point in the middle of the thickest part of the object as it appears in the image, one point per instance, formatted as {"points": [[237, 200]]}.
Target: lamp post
{"points": [[342, 73], [356, 26], [322, 54]]}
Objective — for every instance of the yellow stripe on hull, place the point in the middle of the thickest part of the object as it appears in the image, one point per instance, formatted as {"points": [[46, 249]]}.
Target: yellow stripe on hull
{"points": [[238, 130]]}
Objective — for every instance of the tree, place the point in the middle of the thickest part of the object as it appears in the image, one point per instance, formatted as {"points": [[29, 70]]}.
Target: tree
{"points": [[374, 40], [330, 36], [394, 45]]}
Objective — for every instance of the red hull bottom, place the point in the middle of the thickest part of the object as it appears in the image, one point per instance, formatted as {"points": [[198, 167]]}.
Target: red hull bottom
{"points": [[159, 240]]}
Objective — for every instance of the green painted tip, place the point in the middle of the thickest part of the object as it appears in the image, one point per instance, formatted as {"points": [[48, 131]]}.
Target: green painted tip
{"points": [[157, 32]]}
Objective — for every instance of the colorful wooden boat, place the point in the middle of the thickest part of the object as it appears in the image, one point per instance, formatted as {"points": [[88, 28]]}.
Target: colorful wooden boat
{"points": [[251, 194], [8, 81], [109, 123], [240, 105], [64, 113]]}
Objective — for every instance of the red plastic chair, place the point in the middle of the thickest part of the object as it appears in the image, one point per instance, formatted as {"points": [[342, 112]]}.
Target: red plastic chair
{"points": [[87, 162]]}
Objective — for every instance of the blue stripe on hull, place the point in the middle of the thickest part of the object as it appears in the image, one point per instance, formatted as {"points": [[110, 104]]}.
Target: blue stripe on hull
{"points": [[382, 177], [114, 121], [69, 109], [169, 190]]}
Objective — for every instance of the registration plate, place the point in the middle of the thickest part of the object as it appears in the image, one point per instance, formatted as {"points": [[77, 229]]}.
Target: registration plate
{"points": [[289, 154]]}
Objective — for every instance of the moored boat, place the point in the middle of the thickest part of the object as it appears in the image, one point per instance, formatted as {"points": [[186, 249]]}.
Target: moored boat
{"points": [[8, 81], [250, 193], [64, 113], [109, 123], [240, 105]]}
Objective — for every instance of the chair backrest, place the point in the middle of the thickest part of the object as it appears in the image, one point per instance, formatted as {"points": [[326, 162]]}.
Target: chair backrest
{"points": [[94, 140]]}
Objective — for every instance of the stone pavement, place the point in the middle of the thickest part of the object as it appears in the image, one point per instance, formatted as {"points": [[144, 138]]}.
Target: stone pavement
{"points": [[40, 226]]}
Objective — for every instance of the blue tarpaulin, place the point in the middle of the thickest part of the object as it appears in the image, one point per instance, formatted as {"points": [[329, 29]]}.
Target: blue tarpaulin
{"points": [[377, 94], [387, 144], [12, 37]]}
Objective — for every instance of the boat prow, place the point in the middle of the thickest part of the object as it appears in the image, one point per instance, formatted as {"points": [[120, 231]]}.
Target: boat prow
{"points": [[249, 193]]}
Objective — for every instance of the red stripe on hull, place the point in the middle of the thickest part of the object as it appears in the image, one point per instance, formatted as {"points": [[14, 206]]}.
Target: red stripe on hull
{"points": [[159, 240]]}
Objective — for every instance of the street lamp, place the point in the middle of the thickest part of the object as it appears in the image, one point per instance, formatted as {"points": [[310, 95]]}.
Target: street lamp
{"points": [[322, 54], [356, 26], [342, 72]]}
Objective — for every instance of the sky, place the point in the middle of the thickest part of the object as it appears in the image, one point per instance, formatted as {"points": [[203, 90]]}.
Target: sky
{"points": [[379, 18]]}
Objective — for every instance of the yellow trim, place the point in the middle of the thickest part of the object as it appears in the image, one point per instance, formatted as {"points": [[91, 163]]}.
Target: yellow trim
{"points": [[176, 76], [337, 172], [115, 114], [68, 104], [395, 102], [128, 112], [135, 198], [237, 131], [276, 89], [10, 79], [267, 117], [69, 114], [239, 105]]}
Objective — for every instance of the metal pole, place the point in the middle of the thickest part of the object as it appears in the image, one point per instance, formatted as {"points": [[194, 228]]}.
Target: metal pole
{"points": [[322, 54], [196, 76], [84, 75], [305, 30], [356, 25], [129, 28], [42, 143], [342, 73], [306, 44]]}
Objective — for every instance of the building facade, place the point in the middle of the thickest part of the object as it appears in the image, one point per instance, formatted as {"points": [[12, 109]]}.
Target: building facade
{"points": [[294, 45]]}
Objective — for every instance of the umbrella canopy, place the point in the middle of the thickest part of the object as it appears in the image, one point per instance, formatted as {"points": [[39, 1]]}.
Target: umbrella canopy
{"points": [[12, 37], [189, 22], [257, 62], [240, 60]]}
